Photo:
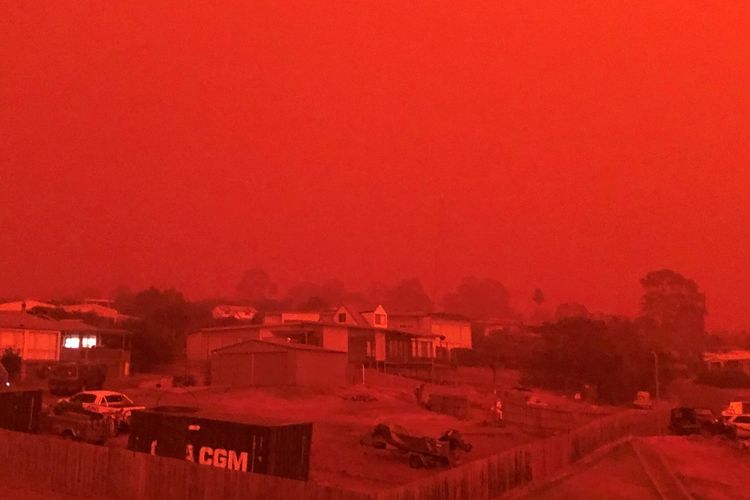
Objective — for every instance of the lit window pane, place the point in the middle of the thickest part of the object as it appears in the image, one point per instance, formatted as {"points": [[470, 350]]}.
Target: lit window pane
{"points": [[72, 342]]}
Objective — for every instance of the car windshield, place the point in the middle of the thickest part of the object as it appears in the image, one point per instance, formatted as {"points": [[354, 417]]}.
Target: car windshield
{"points": [[114, 399], [84, 398]]}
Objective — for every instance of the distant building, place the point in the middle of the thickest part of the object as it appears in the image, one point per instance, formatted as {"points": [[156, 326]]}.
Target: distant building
{"points": [[44, 341], [454, 330], [240, 313], [262, 363], [730, 360]]}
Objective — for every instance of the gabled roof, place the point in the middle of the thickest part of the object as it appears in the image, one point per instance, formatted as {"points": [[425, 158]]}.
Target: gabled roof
{"points": [[355, 314], [247, 344]]}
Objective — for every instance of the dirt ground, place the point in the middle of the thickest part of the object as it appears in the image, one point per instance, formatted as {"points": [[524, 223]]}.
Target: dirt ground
{"points": [[618, 475], [340, 420], [714, 468]]}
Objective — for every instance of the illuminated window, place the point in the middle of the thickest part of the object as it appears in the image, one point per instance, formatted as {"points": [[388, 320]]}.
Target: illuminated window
{"points": [[72, 342], [88, 342]]}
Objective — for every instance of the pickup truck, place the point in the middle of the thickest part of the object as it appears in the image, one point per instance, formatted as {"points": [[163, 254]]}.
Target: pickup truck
{"points": [[72, 421], [113, 404]]}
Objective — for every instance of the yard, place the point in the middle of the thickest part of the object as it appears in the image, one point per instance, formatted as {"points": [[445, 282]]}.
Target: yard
{"points": [[343, 415]]}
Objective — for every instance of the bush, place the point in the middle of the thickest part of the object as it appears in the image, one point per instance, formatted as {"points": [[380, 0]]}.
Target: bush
{"points": [[11, 360], [724, 378]]}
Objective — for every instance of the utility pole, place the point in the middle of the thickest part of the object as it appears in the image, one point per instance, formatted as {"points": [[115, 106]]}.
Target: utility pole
{"points": [[656, 373]]}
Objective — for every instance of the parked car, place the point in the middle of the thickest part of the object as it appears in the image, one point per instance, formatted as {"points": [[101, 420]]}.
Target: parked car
{"points": [[736, 408], [69, 378], [693, 421], [738, 426], [114, 404], [72, 421]]}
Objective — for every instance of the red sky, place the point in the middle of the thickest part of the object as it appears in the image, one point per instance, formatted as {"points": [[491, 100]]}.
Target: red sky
{"points": [[576, 147]]}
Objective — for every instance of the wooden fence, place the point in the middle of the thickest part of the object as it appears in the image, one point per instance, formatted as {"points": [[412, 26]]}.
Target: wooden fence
{"points": [[51, 463], [535, 462], [54, 464]]}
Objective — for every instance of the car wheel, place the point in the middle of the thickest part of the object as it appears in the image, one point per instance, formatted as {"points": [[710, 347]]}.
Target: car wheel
{"points": [[68, 434]]}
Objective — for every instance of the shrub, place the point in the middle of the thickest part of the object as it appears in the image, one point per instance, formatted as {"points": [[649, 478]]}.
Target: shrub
{"points": [[11, 360], [724, 378]]}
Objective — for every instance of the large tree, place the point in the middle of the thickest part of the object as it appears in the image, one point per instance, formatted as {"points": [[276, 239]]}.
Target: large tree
{"points": [[165, 316], [677, 309], [255, 286], [477, 298], [407, 295], [611, 355]]}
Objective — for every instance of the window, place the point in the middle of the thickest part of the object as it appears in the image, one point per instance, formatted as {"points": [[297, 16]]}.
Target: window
{"points": [[342, 317], [84, 398], [380, 319], [88, 342], [114, 399], [742, 420], [72, 342]]}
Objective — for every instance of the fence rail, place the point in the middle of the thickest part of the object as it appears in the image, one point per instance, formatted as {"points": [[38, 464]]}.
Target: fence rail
{"points": [[86, 470]]}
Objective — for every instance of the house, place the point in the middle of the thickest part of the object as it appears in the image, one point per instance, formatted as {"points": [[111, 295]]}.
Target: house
{"points": [[284, 317], [364, 344], [453, 330], [111, 347], [38, 340], [42, 341], [263, 363], [240, 313], [730, 360]]}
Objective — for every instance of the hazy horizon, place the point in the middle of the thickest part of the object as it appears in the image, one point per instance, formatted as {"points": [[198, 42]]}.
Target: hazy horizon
{"points": [[575, 148]]}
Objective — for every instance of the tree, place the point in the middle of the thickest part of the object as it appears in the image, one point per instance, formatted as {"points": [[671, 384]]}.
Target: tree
{"points": [[612, 355], [538, 297], [329, 293], [165, 318], [407, 295], [571, 310], [255, 286], [11, 360], [480, 299], [677, 308]]}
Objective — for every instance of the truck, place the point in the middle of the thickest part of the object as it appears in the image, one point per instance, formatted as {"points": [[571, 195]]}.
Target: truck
{"points": [[73, 421], [70, 378]]}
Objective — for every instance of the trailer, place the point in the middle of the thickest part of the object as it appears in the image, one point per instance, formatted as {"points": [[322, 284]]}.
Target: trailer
{"points": [[262, 446], [20, 410]]}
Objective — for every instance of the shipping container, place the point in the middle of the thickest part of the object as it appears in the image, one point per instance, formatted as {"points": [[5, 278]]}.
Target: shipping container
{"points": [[19, 410], [227, 442]]}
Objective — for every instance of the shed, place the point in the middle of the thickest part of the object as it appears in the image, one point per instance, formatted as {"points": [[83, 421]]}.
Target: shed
{"points": [[263, 363]]}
